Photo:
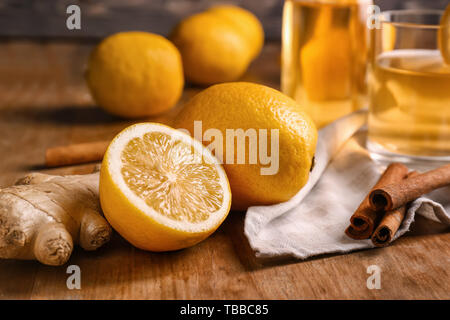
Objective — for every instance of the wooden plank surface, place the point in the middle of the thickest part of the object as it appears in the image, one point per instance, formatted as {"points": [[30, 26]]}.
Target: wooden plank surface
{"points": [[44, 103]]}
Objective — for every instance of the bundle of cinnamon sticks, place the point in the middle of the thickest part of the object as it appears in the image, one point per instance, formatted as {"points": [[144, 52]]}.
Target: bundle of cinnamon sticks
{"points": [[381, 213]]}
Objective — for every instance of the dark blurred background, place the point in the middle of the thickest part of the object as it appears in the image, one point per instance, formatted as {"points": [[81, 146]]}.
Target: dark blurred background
{"points": [[47, 18]]}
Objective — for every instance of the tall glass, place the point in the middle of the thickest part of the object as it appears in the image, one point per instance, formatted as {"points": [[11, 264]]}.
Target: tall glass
{"points": [[324, 56], [409, 88]]}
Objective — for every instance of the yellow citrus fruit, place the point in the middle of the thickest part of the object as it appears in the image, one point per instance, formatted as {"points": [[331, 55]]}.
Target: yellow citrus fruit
{"points": [[161, 189], [247, 23], [135, 74], [217, 45], [211, 48], [444, 35], [258, 109]]}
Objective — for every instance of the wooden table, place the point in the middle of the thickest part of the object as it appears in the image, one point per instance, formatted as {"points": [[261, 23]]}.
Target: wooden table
{"points": [[44, 102]]}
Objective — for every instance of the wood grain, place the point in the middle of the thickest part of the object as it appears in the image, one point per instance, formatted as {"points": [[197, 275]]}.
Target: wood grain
{"points": [[44, 103]]}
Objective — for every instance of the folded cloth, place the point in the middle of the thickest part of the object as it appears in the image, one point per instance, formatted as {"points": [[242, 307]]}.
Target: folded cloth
{"points": [[314, 220]]}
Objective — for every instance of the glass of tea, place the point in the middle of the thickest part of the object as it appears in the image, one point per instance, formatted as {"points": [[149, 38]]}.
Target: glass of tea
{"points": [[324, 56], [409, 88]]}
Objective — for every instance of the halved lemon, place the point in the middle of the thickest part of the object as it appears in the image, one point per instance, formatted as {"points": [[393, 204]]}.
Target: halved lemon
{"points": [[444, 35], [161, 189]]}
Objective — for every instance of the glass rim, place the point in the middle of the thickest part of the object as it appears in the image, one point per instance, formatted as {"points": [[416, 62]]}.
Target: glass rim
{"points": [[417, 12]]}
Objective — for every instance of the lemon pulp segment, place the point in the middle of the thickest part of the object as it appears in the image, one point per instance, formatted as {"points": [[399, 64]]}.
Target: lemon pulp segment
{"points": [[162, 172]]}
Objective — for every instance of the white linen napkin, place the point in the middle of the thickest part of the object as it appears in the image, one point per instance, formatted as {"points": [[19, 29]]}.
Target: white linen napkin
{"points": [[314, 220]]}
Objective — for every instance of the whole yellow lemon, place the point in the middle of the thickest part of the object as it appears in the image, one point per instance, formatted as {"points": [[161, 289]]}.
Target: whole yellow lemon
{"points": [[135, 74], [247, 23], [211, 48], [264, 139], [218, 45]]}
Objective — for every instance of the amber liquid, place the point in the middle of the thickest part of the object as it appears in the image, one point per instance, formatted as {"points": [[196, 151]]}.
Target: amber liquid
{"points": [[324, 56], [410, 103]]}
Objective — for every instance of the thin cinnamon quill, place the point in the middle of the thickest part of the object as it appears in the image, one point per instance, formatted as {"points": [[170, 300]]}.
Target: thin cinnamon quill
{"points": [[364, 219], [390, 223], [396, 195], [76, 153]]}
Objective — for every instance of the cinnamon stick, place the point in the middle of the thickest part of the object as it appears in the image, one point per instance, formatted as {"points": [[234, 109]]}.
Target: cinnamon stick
{"points": [[390, 223], [363, 221], [76, 153], [396, 195]]}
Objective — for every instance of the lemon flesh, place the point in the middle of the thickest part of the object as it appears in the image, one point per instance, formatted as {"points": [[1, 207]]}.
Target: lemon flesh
{"points": [[161, 189], [154, 168]]}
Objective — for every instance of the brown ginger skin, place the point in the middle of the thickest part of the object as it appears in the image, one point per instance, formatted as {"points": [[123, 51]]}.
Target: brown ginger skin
{"points": [[43, 216]]}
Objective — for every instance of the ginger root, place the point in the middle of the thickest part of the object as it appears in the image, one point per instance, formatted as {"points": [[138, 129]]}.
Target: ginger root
{"points": [[42, 216]]}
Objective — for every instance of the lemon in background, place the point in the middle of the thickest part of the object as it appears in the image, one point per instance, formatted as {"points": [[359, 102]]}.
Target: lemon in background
{"points": [[242, 105], [218, 44], [135, 74], [247, 23]]}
